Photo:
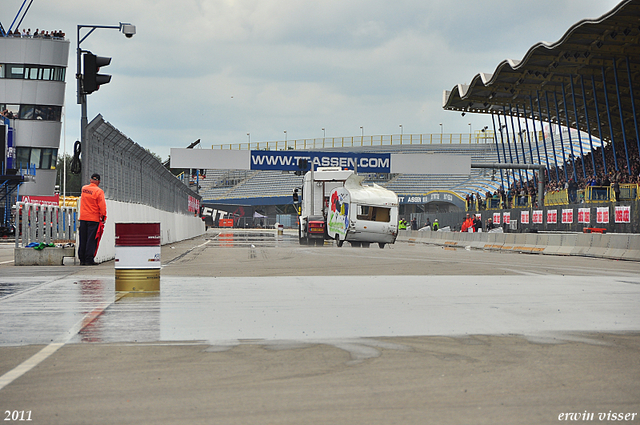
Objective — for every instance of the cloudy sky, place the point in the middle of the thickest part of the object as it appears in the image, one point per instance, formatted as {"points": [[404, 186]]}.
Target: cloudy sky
{"points": [[216, 70]]}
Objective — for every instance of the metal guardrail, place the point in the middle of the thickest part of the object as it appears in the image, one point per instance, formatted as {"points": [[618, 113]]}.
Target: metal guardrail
{"points": [[45, 224]]}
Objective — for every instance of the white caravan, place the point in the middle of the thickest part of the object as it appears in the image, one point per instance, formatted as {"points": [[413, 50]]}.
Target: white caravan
{"points": [[362, 214]]}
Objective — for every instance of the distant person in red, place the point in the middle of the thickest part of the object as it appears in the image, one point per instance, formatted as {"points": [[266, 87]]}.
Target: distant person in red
{"points": [[93, 211], [467, 224]]}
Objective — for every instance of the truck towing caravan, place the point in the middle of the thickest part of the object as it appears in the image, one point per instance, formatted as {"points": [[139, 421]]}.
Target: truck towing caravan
{"points": [[335, 205]]}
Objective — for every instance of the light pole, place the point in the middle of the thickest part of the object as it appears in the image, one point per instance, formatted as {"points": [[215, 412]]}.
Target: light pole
{"points": [[324, 133], [401, 132], [285, 137], [249, 139], [129, 31]]}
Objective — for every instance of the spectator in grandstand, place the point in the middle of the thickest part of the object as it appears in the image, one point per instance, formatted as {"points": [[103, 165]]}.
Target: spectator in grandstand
{"points": [[481, 203], [616, 189], [93, 212], [572, 187]]}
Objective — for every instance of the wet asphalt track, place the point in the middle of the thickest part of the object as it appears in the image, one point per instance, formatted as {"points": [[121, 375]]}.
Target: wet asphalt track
{"points": [[322, 312]]}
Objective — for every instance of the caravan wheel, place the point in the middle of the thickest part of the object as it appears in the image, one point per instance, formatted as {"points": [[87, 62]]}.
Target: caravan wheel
{"points": [[339, 241], [381, 245]]}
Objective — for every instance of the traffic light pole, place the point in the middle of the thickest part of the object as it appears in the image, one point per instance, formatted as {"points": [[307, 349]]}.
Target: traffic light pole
{"points": [[128, 30]]}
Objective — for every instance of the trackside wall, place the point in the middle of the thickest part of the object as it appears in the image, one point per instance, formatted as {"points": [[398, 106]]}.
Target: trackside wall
{"points": [[609, 245], [173, 227]]}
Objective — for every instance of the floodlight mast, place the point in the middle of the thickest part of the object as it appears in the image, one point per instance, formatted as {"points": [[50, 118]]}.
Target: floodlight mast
{"points": [[129, 31]]}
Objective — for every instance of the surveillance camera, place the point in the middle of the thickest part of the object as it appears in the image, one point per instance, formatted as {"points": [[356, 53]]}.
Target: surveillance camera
{"points": [[128, 30]]}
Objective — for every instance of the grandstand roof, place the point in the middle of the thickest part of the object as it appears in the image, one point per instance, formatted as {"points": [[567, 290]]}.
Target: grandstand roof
{"points": [[600, 56]]}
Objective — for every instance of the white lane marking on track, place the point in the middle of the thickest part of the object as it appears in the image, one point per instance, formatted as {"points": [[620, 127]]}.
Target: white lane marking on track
{"points": [[43, 354]]}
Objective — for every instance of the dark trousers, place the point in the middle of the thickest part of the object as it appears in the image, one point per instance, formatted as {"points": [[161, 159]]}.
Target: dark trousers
{"points": [[88, 243]]}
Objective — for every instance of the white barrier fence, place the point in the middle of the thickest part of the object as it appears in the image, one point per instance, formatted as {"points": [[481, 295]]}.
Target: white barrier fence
{"points": [[45, 224]]}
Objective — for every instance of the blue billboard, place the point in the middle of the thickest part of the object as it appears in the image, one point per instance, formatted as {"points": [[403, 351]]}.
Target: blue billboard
{"points": [[291, 160]]}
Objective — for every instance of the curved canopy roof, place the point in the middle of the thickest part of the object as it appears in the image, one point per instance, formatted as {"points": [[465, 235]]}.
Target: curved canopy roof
{"points": [[593, 68]]}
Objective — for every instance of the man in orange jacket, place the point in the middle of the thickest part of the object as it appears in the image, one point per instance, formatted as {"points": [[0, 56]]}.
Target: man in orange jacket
{"points": [[467, 223], [93, 210]]}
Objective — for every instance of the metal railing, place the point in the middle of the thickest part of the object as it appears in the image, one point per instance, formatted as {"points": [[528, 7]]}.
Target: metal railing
{"points": [[355, 141], [557, 197], [628, 192], [597, 194], [45, 224]]}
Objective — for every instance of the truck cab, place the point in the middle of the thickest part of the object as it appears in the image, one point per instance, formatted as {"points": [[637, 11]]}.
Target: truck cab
{"points": [[314, 202]]}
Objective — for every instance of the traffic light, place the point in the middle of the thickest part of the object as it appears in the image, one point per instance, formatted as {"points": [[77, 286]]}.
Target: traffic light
{"points": [[91, 80]]}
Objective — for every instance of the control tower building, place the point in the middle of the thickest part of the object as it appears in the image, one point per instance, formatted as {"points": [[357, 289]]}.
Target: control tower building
{"points": [[32, 88]]}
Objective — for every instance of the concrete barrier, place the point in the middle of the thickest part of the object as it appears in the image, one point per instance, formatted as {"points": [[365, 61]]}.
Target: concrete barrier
{"points": [[527, 243], [509, 241], [567, 243], [50, 256], [495, 241], [610, 245], [617, 246], [582, 245], [599, 245], [633, 250], [552, 244]]}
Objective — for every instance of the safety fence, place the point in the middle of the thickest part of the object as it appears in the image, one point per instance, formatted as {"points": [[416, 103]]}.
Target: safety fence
{"points": [[45, 224], [131, 174]]}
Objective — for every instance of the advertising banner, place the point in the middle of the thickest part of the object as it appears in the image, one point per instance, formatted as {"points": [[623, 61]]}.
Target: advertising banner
{"points": [[602, 215], [567, 216], [506, 218], [623, 214], [552, 216], [584, 215], [42, 200], [289, 160], [524, 217], [537, 217], [496, 218]]}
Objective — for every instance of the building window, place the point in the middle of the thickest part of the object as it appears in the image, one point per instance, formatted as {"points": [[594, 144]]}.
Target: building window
{"points": [[33, 72], [32, 112], [43, 158]]}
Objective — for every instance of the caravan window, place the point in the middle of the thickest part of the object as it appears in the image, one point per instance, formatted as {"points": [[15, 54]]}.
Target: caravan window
{"points": [[371, 213]]}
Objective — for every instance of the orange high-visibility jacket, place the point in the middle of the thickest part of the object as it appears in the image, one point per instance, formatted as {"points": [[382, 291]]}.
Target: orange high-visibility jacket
{"points": [[467, 224], [92, 204]]}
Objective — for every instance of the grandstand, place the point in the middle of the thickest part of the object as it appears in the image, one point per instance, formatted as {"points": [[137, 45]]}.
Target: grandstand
{"points": [[275, 187]]}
